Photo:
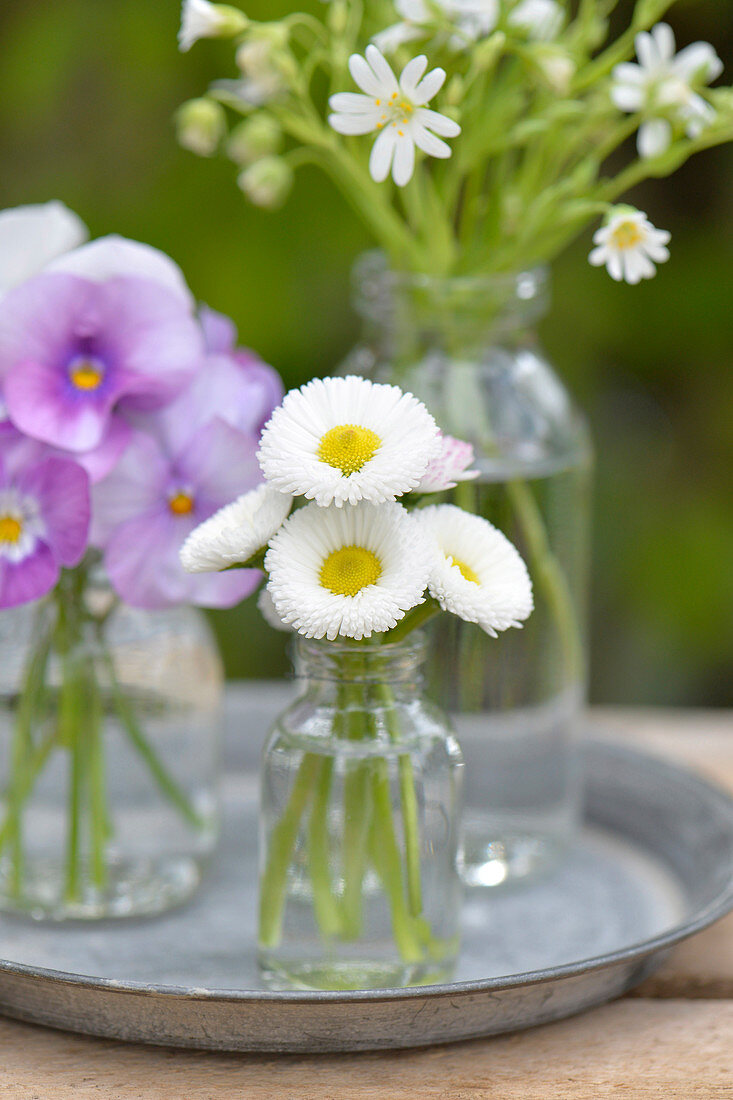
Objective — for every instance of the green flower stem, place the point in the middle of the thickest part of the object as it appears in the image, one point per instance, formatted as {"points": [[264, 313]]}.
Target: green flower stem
{"points": [[72, 735], [166, 783], [357, 815], [387, 861], [273, 882], [408, 799], [549, 576], [418, 616], [99, 823], [325, 905]]}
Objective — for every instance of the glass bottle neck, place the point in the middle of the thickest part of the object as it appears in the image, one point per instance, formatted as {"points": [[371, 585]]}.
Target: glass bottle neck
{"points": [[406, 314], [364, 669]]}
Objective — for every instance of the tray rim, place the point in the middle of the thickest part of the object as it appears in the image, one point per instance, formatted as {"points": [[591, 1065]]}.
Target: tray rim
{"points": [[715, 910]]}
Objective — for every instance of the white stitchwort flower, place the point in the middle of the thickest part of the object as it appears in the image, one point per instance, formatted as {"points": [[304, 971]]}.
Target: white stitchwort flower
{"points": [[350, 571], [200, 19], [450, 467], [664, 86], [233, 534], [472, 19], [477, 573], [629, 246], [396, 108], [346, 439]]}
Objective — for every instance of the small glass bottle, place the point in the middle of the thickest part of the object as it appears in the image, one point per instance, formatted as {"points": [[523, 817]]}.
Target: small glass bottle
{"points": [[109, 754], [466, 347], [361, 795]]}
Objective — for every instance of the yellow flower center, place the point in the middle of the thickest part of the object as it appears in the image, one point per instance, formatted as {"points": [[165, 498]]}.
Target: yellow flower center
{"points": [[181, 504], [348, 447], [627, 235], [346, 571], [10, 529], [465, 570], [85, 374]]}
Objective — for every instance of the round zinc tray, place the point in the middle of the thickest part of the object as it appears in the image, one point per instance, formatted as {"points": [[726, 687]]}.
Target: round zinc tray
{"points": [[654, 864]]}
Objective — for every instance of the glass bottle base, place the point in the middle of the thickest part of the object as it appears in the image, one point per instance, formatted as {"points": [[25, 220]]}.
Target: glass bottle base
{"points": [[281, 975], [132, 889], [509, 858]]}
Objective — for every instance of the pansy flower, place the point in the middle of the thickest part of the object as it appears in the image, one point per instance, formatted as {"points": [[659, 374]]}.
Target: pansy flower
{"points": [[44, 518], [77, 356]]}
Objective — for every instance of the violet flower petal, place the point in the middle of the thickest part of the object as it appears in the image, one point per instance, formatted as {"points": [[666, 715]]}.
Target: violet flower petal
{"points": [[220, 332], [61, 488], [135, 487], [112, 256], [23, 581], [220, 464]]}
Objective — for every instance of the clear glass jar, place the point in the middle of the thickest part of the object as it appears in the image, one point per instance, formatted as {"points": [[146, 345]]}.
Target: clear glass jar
{"points": [[361, 796], [109, 747], [466, 347]]}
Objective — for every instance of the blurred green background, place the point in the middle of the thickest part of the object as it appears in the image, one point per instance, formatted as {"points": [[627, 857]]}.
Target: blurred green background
{"points": [[87, 91]]}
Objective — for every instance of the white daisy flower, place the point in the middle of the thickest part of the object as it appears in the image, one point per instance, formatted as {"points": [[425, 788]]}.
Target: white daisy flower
{"points": [[347, 572], [236, 532], [629, 246], [540, 19], [346, 439], [266, 608], [397, 109], [477, 573], [666, 83], [200, 19], [450, 466]]}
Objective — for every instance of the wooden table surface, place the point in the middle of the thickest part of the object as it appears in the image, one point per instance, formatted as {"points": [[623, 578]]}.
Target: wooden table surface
{"points": [[672, 1039]]}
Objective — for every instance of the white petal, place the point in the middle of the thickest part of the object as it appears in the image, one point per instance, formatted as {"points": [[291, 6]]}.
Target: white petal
{"points": [[382, 69], [351, 103], [647, 52], [654, 137], [439, 124], [598, 256], [380, 160], [364, 76], [627, 97], [430, 144], [354, 124], [403, 164], [629, 73], [411, 75], [429, 86], [663, 36], [391, 38], [33, 236], [614, 266], [698, 60]]}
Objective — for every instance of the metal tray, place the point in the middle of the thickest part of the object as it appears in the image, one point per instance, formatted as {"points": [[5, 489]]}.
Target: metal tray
{"points": [[654, 864]]}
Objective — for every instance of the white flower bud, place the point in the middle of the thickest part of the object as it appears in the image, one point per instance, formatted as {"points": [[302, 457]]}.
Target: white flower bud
{"points": [[200, 19], [260, 64], [267, 182], [556, 67], [257, 137], [200, 126]]}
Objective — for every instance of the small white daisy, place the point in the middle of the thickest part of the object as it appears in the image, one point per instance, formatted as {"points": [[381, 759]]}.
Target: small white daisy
{"points": [[477, 573], [266, 608], [396, 108], [450, 467], [346, 439], [629, 246], [233, 534], [200, 19], [347, 572], [666, 83]]}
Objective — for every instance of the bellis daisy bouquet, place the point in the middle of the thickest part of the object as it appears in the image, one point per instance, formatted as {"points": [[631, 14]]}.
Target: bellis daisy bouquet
{"points": [[472, 136], [357, 555], [126, 418]]}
